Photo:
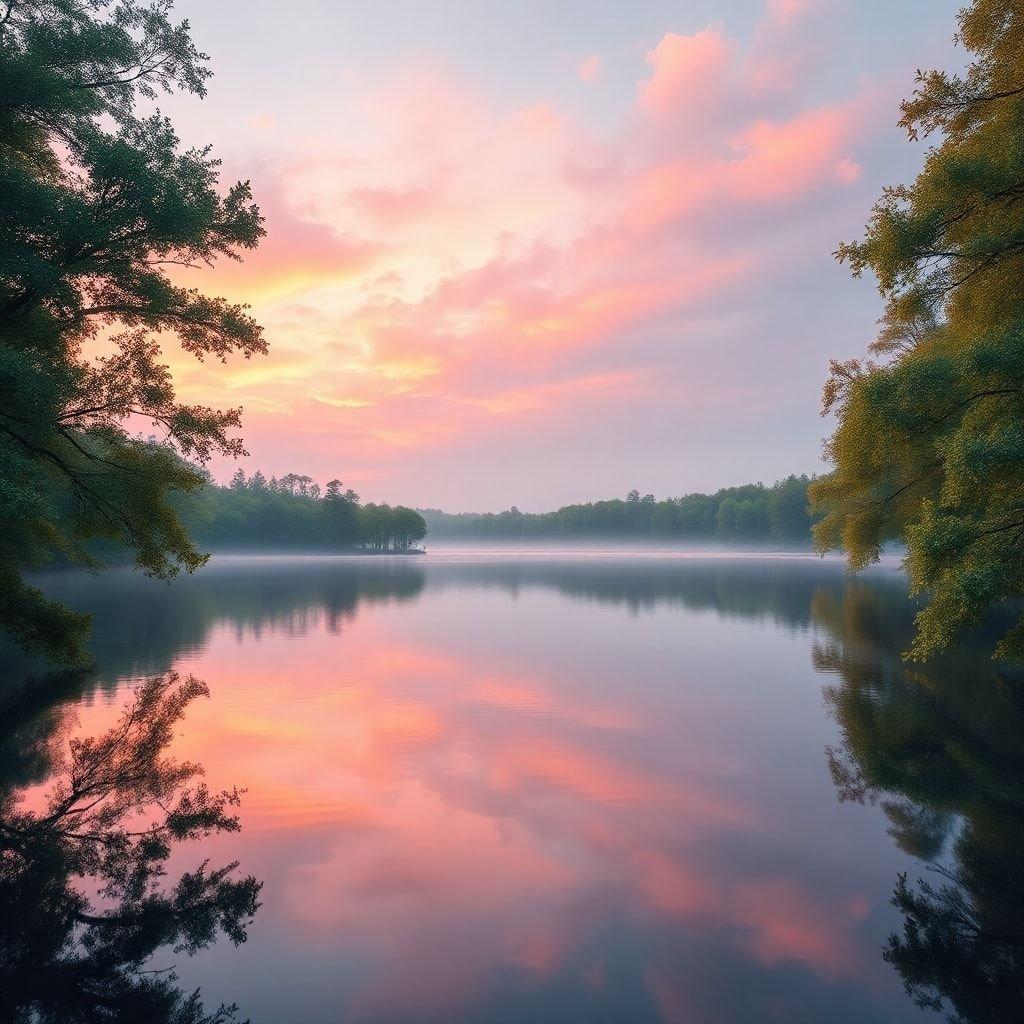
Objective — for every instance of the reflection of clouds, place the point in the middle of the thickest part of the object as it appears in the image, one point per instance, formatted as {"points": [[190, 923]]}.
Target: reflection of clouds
{"points": [[478, 813], [535, 766], [783, 923], [532, 700], [453, 811]]}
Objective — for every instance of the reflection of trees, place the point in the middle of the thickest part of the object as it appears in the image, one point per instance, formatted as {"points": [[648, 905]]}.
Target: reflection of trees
{"points": [[84, 897], [141, 626], [942, 751], [773, 590]]}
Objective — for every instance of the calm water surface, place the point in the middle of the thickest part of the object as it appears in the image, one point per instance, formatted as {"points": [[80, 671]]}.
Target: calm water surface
{"points": [[489, 787]]}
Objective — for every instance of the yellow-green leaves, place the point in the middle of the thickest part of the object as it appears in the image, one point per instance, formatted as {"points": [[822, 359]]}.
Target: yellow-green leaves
{"points": [[929, 446]]}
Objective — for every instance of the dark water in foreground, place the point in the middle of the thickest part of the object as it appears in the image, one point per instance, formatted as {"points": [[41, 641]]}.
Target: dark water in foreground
{"points": [[509, 788]]}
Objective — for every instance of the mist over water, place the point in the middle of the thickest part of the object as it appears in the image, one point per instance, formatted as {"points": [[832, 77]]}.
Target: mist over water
{"points": [[522, 785]]}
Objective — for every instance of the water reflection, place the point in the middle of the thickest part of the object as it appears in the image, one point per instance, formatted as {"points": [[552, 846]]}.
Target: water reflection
{"points": [[941, 751], [497, 790], [87, 827], [141, 627]]}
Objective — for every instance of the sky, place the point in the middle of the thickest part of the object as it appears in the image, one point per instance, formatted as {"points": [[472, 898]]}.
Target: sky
{"points": [[528, 254]]}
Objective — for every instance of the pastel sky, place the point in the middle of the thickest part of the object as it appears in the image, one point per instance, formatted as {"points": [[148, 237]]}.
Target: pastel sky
{"points": [[541, 252]]}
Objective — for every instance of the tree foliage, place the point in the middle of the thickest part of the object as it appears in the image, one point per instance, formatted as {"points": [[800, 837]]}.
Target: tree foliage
{"points": [[929, 447], [291, 512], [99, 203], [751, 514]]}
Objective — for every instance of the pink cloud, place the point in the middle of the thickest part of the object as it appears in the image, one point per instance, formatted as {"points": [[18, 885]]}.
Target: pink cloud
{"points": [[388, 206], [297, 253], [590, 68], [448, 263], [848, 170], [786, 11], [689, 71], [780, 160]]}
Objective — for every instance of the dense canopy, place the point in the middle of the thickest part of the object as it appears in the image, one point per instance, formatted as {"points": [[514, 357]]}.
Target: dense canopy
{"points": [[751, 514], [292, 512], [99, 205], [929, 447]]}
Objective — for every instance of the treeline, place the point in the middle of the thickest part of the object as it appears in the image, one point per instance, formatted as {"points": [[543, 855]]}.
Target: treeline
{"points": [[751, 514], [294, 512]]}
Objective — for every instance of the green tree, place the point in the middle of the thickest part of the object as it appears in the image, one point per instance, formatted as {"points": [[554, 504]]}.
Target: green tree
{"points": [[98, 203], [374, 525], [408, 527], [341, 514], [787, 510], [929, 446], [751, 513]]}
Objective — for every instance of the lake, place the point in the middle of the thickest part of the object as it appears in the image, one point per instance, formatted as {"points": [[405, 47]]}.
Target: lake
{"points": [[628, 787]]}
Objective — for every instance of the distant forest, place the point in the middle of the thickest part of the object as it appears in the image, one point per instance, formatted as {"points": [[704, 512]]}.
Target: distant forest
{"points": [[751, 514], [293, 512]]}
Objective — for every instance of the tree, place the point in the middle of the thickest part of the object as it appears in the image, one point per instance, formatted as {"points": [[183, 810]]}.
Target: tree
{"points": [[341, 514], [787, 510], [929, 446], [98, 204], [752, 513], [373, 526], [408, 527]]}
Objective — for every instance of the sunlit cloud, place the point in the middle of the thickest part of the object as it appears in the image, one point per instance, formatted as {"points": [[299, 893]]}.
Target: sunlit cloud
{"points": [[690, 73], [445, 261]]}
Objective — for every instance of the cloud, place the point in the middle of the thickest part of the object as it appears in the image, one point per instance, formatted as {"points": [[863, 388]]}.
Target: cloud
{"points": [[447, 262], [689, 72], [590, 68], [786, 11]]}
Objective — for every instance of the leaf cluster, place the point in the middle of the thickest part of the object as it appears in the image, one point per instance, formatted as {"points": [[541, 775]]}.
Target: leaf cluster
{"points": [[100, 205], [929, 444]]}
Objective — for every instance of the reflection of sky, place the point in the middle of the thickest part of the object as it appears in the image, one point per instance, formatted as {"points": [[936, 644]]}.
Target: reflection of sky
{"points": [[489, 804]]}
